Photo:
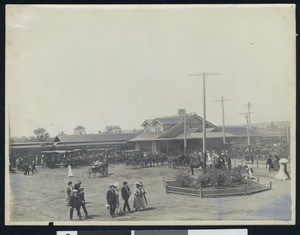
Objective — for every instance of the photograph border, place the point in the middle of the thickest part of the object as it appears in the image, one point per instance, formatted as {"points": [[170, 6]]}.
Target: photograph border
{"points": [[166, 222]]}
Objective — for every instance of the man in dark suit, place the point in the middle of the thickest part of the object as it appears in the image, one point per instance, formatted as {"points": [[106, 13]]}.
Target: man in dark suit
{"points": [[81, 200], [126, 192], [270, 163], [111, 198], [74, 203], [26, 167], [77, 185]]}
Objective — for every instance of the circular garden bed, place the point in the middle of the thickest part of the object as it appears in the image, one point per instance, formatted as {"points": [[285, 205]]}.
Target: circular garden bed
{"points": [[217, 183]]}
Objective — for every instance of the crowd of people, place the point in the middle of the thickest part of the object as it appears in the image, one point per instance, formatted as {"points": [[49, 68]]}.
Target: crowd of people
{"points": [[76, 199], [27, 168], [218, 161]]}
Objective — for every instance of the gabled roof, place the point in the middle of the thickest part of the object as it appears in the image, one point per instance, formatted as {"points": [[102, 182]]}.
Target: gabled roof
{"points": [[211, 129], [147, 121], [181, 123], [168, 120], [95, 138], [188, 133]]}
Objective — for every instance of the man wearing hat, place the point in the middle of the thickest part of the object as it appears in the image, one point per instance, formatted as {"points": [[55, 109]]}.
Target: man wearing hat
{"points": [[126, 192], [74, 203], [111, 198], [81, 200], [77, 185]]}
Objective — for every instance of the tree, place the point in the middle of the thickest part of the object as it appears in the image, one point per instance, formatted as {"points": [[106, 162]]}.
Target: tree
{"points": [[41, 134], [112, 129], [22, 139], [79, 130]]}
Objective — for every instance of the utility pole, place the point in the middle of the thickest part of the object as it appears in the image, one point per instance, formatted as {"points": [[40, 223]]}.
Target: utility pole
{"points": [[223, 118], [246, 115], [204, 75], [249, 106], [182, 113]]}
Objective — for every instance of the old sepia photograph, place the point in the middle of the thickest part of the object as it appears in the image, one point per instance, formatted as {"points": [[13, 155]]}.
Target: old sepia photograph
{"points": [[150, 114]]}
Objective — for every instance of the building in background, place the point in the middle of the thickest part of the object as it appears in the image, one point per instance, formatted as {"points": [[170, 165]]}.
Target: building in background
{"points": [[166, 135], [162, 134]]}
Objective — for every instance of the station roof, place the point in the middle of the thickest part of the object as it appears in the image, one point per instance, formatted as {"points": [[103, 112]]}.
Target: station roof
{"points": [[148, 136], [94, 138]]}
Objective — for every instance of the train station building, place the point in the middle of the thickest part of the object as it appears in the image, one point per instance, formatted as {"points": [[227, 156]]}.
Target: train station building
{"points": [[166, 134]]}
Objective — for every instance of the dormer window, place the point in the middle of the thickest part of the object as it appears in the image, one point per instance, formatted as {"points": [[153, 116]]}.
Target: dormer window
{"points": [[158, 127]]}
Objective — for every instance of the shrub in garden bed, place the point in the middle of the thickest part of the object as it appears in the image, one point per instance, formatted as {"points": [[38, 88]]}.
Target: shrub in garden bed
{"points": [[237, 174], [215, 178], [219, 178], [184, 180]]}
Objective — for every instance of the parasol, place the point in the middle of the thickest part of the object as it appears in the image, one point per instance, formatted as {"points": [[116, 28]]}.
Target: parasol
{"points": [[283, 160]]}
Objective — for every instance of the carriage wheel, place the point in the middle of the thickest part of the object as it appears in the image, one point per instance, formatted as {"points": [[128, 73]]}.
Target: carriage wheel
{"points": [[94, 173], [89, 173]]}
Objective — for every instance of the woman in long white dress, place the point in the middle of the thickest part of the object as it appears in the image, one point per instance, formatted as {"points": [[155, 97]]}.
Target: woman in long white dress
{"points": [[140, 201], [249, 169], [282, 174], [70, 172]]}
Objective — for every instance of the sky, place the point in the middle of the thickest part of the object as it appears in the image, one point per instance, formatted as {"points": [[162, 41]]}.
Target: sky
{"points": [[119, 65]]}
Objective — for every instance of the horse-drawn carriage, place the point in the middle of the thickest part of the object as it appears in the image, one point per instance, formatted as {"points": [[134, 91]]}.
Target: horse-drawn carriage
{"points": [[98, 167], [179, 161], [59, 158], [137, 159]]}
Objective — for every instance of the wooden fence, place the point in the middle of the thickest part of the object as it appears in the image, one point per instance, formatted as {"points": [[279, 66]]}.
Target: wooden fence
{"points": [[213, 192]]}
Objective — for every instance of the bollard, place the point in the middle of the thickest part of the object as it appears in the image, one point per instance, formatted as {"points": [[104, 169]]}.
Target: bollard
{"points": [[245, 190], [200, 193], [257, 162], [257, 179]]}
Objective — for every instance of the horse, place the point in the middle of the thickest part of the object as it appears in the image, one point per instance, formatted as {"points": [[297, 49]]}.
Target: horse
{"points": [[196, 164]]}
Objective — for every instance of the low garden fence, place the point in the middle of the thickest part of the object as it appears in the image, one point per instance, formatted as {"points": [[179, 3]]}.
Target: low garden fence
{"points": [[256, 187]]}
